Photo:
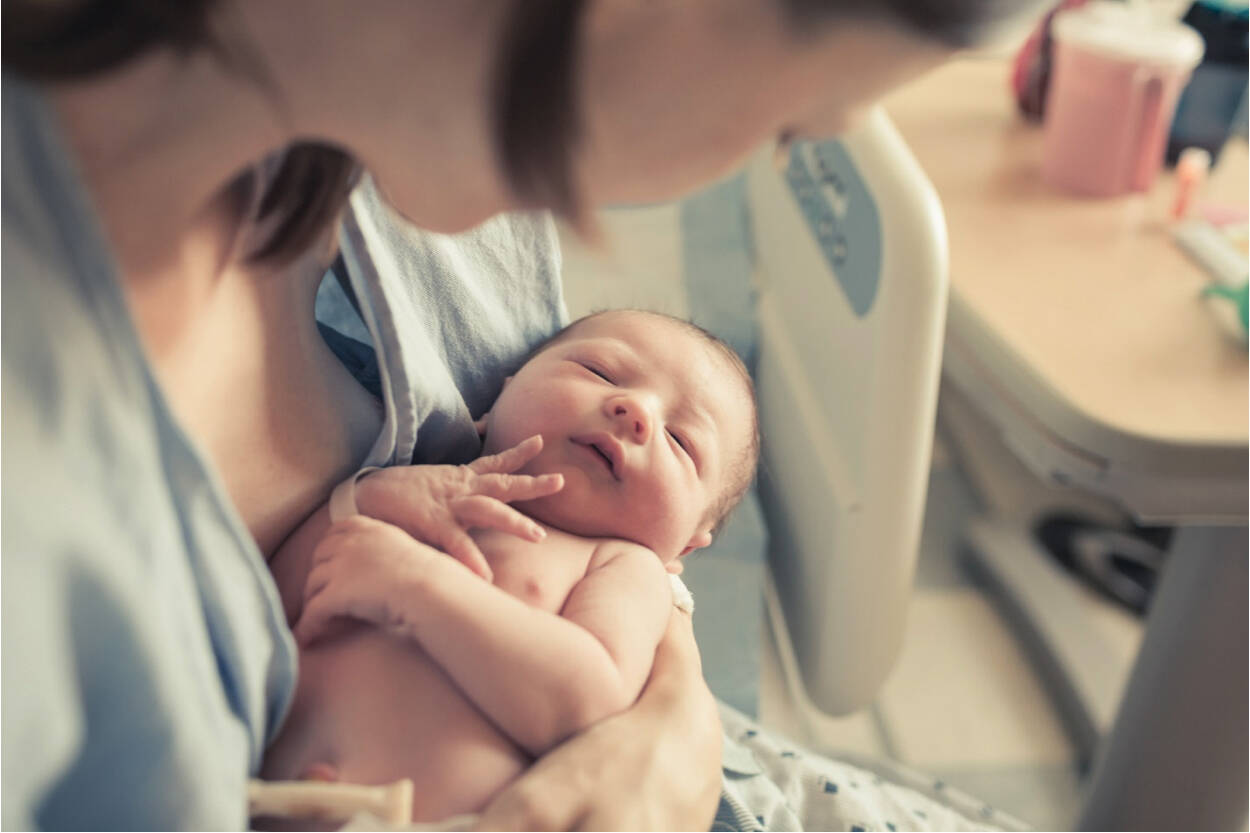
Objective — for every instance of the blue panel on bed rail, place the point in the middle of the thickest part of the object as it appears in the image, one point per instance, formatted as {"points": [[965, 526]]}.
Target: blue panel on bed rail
{"points": [[841, 216]]}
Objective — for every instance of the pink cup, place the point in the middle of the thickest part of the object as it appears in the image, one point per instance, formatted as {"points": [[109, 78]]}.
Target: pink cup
{"points": [[1117, 76]]}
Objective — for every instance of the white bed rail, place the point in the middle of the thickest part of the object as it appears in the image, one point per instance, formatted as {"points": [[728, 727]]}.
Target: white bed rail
{"points": [[852, 272]]}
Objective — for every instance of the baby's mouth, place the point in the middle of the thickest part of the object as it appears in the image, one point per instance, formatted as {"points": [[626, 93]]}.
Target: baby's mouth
{"points": [[605, 451], [606, 459]]}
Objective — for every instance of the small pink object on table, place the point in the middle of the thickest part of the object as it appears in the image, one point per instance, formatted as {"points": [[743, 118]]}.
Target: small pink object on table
{"points": [[1118, 73], [1191, 173]]}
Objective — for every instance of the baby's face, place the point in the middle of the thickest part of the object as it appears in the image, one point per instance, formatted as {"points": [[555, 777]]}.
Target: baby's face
{"points": [[647, 421]]}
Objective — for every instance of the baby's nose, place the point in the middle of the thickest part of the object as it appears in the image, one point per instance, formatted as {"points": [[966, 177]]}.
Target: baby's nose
{"points": [[633, 417]]}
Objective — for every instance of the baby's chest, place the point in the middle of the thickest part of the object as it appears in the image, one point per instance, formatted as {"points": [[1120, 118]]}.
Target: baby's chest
{"points": [[542, 574]]}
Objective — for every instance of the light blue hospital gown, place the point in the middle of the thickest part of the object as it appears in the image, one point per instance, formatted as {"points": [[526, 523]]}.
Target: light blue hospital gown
{"points": [[145, 656]]}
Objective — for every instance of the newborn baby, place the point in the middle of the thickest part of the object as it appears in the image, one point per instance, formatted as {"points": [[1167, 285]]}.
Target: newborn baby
{"points": [[642, 436]]}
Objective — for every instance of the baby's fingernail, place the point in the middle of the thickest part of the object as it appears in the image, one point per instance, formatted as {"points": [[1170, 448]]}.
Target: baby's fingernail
{"points": [[538, 533]]}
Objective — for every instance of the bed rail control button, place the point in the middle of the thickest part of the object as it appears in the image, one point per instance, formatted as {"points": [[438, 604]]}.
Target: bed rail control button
{"points": [[837, 208]]}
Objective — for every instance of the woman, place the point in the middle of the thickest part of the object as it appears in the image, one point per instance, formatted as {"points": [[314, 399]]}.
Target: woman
{"points": [[169, 411]]}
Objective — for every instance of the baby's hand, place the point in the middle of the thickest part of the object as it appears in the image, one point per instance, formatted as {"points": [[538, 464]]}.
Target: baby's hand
{"points": [[362, 569], [439, 504]]}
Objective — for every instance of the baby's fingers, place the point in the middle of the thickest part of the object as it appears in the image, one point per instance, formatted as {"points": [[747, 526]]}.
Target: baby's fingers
{"points": [[479, 512], [315, 619], [460, 545], [513, 487], [510, 460]]}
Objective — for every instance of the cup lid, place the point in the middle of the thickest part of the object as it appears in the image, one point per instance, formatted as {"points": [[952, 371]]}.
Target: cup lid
{"points": [[1122, 30]]}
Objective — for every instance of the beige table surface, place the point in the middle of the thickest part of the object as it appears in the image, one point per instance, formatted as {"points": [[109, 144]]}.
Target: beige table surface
{"points": [[1090, 297]]}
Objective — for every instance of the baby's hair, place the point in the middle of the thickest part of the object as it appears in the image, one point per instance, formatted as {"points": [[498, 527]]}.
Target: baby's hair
{"points": [[742, 473]]}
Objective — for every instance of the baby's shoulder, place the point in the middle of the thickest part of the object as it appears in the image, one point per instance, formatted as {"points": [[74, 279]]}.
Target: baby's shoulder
{"points": [[618, 550], [629, 571]]}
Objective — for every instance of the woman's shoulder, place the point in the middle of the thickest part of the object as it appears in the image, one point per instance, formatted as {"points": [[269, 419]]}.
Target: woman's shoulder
{"points": [[130, 573]]}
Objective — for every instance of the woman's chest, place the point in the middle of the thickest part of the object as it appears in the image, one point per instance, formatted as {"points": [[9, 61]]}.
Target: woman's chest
{"points": [[250, 380]]}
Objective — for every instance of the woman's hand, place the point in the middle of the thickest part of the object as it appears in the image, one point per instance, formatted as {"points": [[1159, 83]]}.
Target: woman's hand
{"points": [[653, 767], [362, 569], [439, 504]]}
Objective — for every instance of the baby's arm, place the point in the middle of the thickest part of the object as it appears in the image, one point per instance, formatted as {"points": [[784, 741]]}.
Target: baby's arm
{"points": [[538, 676], [624, 601]]}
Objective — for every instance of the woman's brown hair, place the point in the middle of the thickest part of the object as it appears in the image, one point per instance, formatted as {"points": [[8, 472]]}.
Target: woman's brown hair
{"points": [[955, 24], [535, 105]]}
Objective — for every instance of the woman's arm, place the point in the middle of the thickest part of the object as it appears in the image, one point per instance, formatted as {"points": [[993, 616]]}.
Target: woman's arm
{"points": [[653, 767]]}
